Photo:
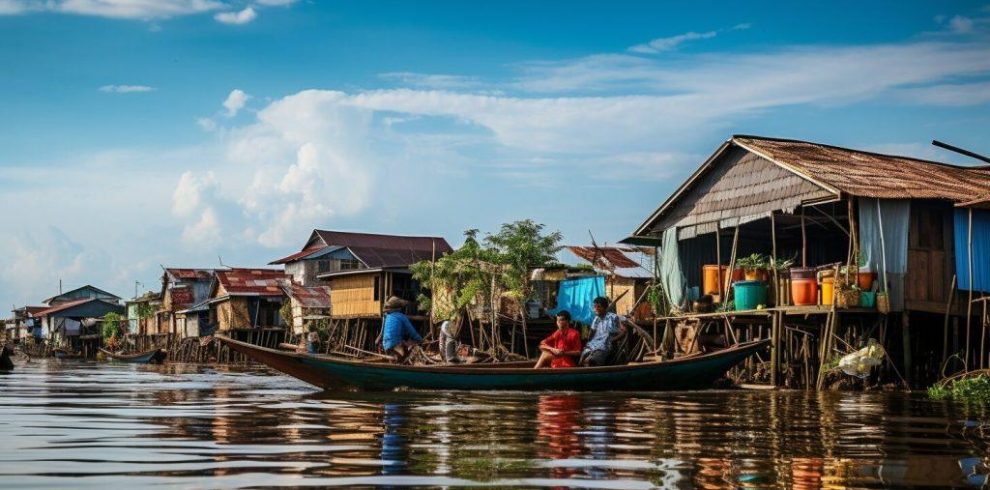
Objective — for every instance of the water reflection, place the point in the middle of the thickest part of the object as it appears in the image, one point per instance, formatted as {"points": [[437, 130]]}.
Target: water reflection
{"points": [[200, 427]]}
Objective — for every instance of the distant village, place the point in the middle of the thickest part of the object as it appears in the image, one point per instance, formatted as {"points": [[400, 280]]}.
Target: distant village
{"points": [[821, 249]]}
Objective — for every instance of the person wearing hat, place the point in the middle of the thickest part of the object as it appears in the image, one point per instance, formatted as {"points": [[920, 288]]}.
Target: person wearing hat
{"points": [[398, 333]]}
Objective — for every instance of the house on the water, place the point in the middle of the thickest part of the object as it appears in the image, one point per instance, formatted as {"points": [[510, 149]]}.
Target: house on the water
{"points": [[247, 301], [307, 304], [24, 324], [70, 319], [141, 313], [184, 305], [820, 204]]}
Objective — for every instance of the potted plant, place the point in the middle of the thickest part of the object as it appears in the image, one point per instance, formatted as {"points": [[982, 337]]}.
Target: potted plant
{"points": [[754, 267]]}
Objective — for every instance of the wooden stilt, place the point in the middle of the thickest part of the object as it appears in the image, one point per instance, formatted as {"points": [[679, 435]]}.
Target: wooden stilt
{"points": [[969, 304], [906, 337], [945, 325]]}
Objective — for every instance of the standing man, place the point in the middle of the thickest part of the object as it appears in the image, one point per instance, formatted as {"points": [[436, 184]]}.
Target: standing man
{"points": [[398, 334], [562, 347], [604, 329]]}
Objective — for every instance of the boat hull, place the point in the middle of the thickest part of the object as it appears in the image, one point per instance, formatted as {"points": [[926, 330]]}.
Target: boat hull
{"points": [[6, 364], [334, 373], [154, 355]]}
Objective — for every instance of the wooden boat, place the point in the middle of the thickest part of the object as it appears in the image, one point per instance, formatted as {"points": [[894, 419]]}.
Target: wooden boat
{"points": [[331, 372], [153, 355], [66, 354]]}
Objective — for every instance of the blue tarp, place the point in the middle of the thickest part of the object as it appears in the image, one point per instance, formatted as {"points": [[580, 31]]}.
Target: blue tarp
{"points": [[577, 295], [981, 249]]}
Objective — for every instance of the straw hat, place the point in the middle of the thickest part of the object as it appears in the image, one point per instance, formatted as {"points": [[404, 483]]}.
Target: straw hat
{"points": [[395, 303]]}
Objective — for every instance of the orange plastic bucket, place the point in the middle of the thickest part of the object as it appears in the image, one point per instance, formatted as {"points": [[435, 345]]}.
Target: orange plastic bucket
{"points": [[710, 277], [828, 290], [804, 292]]}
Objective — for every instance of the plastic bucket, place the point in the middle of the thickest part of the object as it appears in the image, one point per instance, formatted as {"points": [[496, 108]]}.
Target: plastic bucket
{"points": [[867, 299], [804, 291], [749, 294], [710, 275], [828, 290], [802, 273]]}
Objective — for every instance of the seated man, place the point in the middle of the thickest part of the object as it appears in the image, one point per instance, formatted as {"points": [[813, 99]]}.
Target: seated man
{"points": [[398, 334], [562, 347], [604, 329]]}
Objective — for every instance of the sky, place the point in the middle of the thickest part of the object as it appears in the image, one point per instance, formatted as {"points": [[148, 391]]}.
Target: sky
{"points": [[137, 134]]}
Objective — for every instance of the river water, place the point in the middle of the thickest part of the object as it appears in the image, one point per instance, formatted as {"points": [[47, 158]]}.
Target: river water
{"points": [[82, 424]]}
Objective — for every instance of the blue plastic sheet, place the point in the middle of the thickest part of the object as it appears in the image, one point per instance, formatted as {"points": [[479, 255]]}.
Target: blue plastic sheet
{"points": [[981, 249], [883, 243], [577, 295]]}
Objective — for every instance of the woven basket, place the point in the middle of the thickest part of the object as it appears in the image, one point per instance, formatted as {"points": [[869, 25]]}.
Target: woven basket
{"points": [[883, 302], [847, 298]]}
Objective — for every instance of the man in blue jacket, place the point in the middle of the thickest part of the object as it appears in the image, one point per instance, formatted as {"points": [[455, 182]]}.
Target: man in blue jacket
{"points": [[398, 333]]}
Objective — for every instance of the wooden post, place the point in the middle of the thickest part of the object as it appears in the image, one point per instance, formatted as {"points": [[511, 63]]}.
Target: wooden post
{"points": [[969, 304], [718, 262], [804, 241], [945, 326], [774, 280], [775, 349], [732, 263], [905, 326]]}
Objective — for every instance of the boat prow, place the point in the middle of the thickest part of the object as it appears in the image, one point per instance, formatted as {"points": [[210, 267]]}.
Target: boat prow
{"points": [[331, 372]]}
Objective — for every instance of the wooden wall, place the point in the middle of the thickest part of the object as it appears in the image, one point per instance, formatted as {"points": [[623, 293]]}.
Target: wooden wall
{"points": [[930, 256], [355, 295]]}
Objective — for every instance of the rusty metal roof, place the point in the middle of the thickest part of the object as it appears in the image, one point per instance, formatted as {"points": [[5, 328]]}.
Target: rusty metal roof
{"points": [[308, 297], [866, 174], [298, 255], [605, 257], [252, 282], [179, 274]]}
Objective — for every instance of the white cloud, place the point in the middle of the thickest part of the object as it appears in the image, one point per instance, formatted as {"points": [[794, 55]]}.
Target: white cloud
{"points": [[206, 124], [205, 232], [235, 102], [961, 25], [953, 94], [434, 81], [145, 10], [236, 18], [668, 43], [193, 192], [125, 89]]}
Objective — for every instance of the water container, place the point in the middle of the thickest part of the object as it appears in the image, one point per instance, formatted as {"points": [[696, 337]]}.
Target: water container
{"points": [[828, 290], [804, 291], [867, 299], [749, 294]]}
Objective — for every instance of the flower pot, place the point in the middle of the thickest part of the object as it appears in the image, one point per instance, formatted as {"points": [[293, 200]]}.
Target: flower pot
{"points": [[865, 279], [752, 274], [802, 273]]}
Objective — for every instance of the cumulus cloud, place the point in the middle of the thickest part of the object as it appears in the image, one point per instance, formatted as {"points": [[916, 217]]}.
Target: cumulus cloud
{"points": [[961, 25], [192, 192], [236, 18], [432, 80], [125, 89], [235, 102]]}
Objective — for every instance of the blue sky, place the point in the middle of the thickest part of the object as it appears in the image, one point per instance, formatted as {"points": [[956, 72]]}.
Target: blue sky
{"points": [[135, 134]]}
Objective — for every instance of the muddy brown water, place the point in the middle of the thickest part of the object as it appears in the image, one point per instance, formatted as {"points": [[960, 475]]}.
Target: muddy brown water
{"points": [[75, 424]]}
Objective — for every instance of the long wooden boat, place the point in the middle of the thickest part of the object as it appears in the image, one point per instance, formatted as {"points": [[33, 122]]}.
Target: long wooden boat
{"points": [[153, 355], [66, 354], [331, 372]]}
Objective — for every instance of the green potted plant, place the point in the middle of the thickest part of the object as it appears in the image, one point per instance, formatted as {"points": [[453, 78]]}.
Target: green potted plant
{"points": [[754, 267]]}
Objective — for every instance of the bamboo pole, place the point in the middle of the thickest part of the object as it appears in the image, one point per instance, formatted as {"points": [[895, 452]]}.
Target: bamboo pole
{"points": [[945, 326], [732, 264], [804, 241], [718, 261], [969, 304]]}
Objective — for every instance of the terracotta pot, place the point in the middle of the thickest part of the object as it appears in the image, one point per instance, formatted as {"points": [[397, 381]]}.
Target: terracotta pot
{"points": [[865, 280]]}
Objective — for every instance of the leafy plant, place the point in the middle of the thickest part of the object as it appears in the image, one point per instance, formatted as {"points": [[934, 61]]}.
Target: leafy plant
{"points": [[974, 389], [753, 262], [112, 326]]}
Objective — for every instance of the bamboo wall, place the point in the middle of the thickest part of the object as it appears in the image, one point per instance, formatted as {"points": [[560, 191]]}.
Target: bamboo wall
{"points": [[232, 314], [354, 295]]}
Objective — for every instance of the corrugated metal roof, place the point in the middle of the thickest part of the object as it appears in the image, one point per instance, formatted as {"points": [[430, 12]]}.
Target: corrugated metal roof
{"points": [[88, 286], [252, 282], [178, 274], [308, 297], [375, 257], [613, 256], [64, 306], [867, 174], [395, 242], [298, 255]]}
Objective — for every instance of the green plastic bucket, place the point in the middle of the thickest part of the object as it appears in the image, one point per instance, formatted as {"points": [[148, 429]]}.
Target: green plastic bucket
{"points": [[868, 299], [749, 294]]}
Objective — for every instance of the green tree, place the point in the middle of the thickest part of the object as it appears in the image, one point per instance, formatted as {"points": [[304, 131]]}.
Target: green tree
{"points": [[112, 326]]}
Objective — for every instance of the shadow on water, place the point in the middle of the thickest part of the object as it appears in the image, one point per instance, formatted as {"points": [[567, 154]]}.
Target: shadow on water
{"points": [[78, 424]]}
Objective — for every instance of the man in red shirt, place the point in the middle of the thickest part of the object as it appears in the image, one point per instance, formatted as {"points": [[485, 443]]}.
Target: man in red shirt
{"points": [[561, 348]]}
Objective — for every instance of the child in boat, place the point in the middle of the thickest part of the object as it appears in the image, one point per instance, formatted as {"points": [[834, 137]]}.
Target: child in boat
{"points": [[605, 328], [561, 348], [312, 340]]}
